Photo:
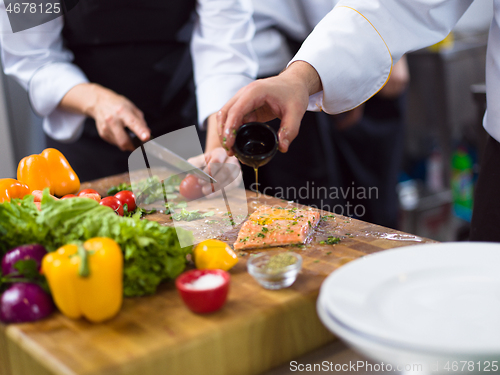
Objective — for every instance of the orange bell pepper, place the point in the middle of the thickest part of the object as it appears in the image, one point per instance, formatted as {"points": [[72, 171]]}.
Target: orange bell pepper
{"points": [[50, 169], [10, 189]]}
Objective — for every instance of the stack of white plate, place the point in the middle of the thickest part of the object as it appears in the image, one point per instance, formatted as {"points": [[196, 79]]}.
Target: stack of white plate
{"points": [[435, 305]]}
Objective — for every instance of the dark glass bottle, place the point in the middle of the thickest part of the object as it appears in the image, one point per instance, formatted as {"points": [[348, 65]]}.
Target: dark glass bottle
{"points": [[255, 144]]}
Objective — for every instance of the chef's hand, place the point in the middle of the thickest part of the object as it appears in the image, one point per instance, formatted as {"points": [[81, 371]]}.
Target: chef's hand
{"points": [[223, 168], [285, 96], [111, 112]]}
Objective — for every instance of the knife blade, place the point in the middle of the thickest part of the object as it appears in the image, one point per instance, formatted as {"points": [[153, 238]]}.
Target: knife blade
{"points": [[176, 161], [169, 157], [164, 154]]}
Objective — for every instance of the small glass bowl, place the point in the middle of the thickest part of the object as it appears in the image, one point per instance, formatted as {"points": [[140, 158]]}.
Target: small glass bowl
{"points": [[275, 279]]}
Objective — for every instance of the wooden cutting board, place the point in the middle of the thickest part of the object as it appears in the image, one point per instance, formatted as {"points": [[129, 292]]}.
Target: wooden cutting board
{"points": [[256, 330]]}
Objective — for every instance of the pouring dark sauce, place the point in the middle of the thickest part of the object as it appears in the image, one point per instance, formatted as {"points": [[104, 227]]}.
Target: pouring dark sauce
{"points": [[255, 145]]}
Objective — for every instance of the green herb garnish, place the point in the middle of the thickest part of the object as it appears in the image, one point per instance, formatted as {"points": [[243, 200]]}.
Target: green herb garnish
{"points": [[325, 218], [116, 189], [277, 262], [186, 215], [332, 240]]}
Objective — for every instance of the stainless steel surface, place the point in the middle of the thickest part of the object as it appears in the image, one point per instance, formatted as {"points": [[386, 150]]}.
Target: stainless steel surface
{"points": [[174, 160]]}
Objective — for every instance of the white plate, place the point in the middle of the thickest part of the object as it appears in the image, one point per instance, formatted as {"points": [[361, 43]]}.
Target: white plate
{"points": [[399, 359], [437, 298]]}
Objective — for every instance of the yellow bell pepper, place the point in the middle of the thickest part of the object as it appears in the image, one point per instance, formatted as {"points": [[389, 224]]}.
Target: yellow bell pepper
{"points": [[214, 254], [86, 280], [48, 169], [10, 189]]}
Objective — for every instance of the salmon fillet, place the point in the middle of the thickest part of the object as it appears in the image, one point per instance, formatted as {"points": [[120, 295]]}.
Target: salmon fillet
{"points": [[276, 226]]}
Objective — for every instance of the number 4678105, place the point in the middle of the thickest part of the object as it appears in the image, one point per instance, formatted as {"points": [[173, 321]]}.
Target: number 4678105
{"points": [[33, 8]]}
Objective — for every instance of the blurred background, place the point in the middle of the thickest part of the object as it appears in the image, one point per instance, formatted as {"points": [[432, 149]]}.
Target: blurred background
{"points": [[444, 136]]}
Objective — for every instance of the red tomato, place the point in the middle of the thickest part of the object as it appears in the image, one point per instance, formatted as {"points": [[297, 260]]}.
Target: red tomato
{"points": [[190, 188], [90, 193], [114, 203], [126, 198], [69, 196], [95, 197], [87, 191]]}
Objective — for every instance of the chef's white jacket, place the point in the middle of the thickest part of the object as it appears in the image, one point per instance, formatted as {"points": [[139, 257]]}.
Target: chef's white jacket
{"points": [[355, 46], [223, 61], [276, 20]]}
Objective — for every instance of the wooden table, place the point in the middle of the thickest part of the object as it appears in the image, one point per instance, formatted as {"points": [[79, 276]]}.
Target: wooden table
{"points": [[256, 330]]}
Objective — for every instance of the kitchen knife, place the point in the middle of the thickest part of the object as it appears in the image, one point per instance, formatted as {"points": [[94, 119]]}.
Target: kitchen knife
{"points": [[171, 158]]}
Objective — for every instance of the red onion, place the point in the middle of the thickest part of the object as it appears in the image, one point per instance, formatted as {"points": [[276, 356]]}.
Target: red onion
{"points": [[23, 252], [25, 302]]}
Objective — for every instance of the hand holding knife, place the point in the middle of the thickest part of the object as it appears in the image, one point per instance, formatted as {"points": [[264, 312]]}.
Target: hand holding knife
{"points": [[169, 157]]}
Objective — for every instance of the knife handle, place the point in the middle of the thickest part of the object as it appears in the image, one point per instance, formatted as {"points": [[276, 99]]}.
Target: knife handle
{"points": [[136, 141]]}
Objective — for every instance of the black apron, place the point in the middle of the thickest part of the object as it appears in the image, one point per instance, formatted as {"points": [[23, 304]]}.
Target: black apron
{"points": [[139, 49], [486, 210]]}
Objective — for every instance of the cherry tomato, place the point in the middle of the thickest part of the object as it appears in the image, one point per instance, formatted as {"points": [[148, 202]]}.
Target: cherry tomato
{"points": [[67, 196], [126, 198], [87, 191], [90, 193], [114, 203], [190, 188]]}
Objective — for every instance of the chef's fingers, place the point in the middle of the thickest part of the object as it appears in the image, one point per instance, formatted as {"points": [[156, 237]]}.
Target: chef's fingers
{"points": [[217, 155], [133, 119], [248, 99], [251, 117], [289, 129], [104, 131], [120, 137], [198, 161], [222, 118], [203, 161], [109, 130], [228, 182], [215, 161], [225, 173]]}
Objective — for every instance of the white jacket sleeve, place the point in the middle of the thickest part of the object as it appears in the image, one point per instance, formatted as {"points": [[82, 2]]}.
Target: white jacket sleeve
{"points": [[354, 47], [37, 60], [223, 57]]}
